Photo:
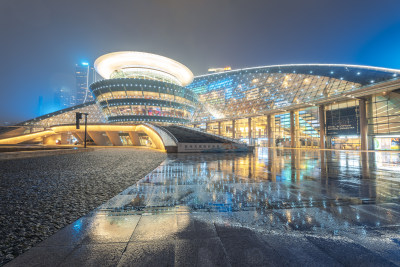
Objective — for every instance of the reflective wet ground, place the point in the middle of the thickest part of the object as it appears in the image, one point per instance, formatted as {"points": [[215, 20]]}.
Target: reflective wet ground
{"points": [[273, 207]]}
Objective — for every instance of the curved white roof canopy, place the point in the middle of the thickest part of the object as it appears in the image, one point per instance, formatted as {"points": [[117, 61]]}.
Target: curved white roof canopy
{"points": [[108, 63]]}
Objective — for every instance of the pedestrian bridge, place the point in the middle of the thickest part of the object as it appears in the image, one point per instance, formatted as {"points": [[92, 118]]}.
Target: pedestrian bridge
{"points": [[167, 138]]}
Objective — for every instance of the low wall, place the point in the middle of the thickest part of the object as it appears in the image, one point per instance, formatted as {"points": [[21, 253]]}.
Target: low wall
{"points": [[211, 147]]}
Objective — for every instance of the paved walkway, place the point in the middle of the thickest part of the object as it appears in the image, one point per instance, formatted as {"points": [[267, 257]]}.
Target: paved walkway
{"points": [[278, 207], [41, 195]]}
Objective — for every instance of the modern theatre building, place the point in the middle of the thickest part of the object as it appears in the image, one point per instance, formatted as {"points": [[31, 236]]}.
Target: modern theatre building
{"points": [[298, 106], [141, 87]]}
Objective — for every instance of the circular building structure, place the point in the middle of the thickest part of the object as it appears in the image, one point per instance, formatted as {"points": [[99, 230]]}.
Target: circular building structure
{"points": [[143, 87]]}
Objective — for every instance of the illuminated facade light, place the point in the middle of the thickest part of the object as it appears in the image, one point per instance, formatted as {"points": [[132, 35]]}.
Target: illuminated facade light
{"points": [[212, 70], [143, 87], [130, 64], [251, 91]]}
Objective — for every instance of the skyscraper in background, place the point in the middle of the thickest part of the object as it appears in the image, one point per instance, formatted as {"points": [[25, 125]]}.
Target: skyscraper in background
{"points": [[85, 75], [66, 96]]}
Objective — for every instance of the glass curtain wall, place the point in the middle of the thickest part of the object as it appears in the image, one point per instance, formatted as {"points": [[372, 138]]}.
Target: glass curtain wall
{"points": [[383, 115], [212, 127], [343, 125], [226, 128], [281, 129], [242, 129], [259, 130], [384, 121], [308, 127]]}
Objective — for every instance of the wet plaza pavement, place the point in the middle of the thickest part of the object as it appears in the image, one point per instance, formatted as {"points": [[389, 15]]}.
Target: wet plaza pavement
{"points": [[274, 207]]}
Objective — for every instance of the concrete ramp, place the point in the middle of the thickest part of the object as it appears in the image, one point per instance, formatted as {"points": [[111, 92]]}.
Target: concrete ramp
{"points": [[191, 140]]}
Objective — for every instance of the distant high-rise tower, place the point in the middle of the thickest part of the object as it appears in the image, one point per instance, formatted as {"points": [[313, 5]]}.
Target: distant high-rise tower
{"points": [[84, 77], [64, 98]]}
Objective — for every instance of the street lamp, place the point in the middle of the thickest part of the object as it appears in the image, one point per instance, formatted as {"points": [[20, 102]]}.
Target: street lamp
{"points": [[78, 117]]}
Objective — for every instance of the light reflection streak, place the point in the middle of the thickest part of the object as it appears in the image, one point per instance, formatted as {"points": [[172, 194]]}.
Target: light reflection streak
{"points": [[319, 196]]}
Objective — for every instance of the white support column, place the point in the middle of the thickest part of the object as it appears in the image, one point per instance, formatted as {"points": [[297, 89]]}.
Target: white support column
{"points": [[80, 140], [270, 130], [321, 115], [81, 135], [98, 138], [64, 139], [292, 130], [233, 129], [249, 130], [297, 129], [134, 138], [363, 125], [114, 138]]}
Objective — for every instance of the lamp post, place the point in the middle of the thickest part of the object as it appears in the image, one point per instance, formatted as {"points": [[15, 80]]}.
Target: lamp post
{"points": [[78, 117]]}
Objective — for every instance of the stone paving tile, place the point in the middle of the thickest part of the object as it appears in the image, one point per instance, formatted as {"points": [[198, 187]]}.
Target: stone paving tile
{"points": [[200, 252], [297, 250], [195, 226], [71, 235], [384, 214], [348, 253], [95, 229], [309, 219], [42, 256], [138, 253], [155, 228], [95, 255], [245, 248], [141, 188], [385, 244], [117, 202], [355, 217], [111, 229], [264, 221], [178, 195], [391, 206]]}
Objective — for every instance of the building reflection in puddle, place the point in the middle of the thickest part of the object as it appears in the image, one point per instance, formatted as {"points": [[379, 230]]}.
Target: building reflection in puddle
{"points": [[284, 187]]}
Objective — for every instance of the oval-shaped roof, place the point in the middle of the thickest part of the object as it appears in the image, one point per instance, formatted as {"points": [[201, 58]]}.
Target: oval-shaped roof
{"points": [[108, 63], [352, 73], [269, 89]]}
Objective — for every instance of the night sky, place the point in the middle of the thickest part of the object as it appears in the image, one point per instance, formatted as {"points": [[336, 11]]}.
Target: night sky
{"points": [[42, 40]]}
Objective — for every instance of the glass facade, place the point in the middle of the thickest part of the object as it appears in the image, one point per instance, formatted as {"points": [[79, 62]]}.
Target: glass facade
{"points": [[309, 127], [384, 120], [84, 75], [343, 125], [144, 74], [63, 117], [384, 114], [254, 91], [136, 100], [291, 96]]}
